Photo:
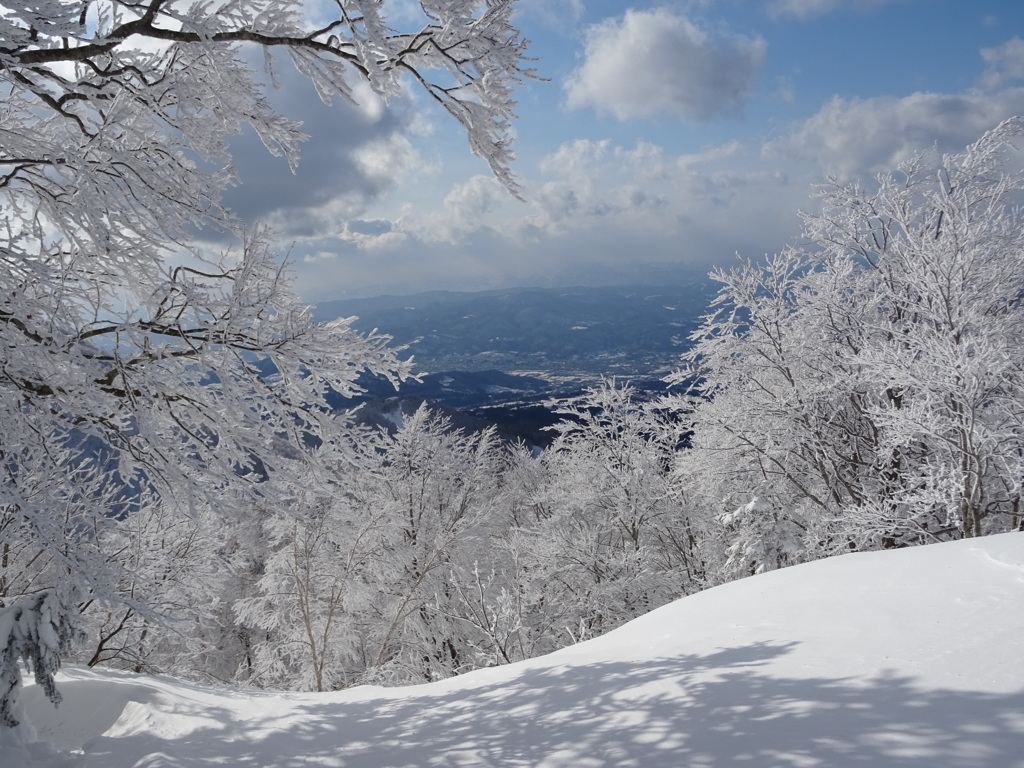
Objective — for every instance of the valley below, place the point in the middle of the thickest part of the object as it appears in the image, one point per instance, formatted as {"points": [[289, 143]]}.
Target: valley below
{"points": [[504, 357]]}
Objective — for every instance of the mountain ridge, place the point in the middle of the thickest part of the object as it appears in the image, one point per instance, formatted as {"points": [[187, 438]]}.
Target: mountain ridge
{"points": [[581, 332]]}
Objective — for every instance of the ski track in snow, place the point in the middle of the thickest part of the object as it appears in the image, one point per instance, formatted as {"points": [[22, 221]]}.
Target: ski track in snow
{"points": [[890, 660]]}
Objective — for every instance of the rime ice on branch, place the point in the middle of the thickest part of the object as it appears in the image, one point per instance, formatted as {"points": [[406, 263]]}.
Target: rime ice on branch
{"points": [[865, 389], [123, 369]]}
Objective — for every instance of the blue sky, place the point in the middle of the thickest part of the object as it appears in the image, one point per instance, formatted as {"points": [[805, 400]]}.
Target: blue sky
{"points": [[668, 136]]}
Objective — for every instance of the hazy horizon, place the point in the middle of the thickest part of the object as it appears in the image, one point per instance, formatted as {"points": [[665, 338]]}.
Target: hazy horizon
{"points": [[683, 131]]}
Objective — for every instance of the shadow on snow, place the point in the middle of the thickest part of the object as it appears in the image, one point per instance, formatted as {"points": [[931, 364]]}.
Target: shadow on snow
{"points": [[713, 710]]}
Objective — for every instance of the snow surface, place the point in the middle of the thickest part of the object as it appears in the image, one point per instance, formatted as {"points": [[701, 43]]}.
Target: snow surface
{"points": [[888, 659]]}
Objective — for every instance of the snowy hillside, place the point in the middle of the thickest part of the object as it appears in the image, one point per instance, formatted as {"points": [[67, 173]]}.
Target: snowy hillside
{"points": [[900, 658]]}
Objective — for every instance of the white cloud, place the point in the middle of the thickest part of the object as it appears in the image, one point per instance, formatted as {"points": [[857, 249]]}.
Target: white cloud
{"points": [[606, 201], [655, 62], [370, 103], [1005, 63], [471, 201], [805, 9], [355, 155], [596, 210], [335, 183], [387, 159], [465, 209], [311, 223], [862, 137], [374, 235]]}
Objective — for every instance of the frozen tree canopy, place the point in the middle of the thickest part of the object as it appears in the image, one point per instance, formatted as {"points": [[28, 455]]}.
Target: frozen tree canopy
{"points": [[135, 366], [177, 494], [865, 388]]}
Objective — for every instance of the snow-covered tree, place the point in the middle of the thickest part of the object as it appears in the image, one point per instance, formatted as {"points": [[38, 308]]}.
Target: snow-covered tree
{"points": [[310, 596], [866, 388], [173, 569], [438, 488], [602, 535], [363, 581], [130, 358]]}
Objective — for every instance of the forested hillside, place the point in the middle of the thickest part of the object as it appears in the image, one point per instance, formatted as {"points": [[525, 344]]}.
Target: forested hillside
{"points": [[863, 392], [137, 313], [847, 398], [182, 494]]}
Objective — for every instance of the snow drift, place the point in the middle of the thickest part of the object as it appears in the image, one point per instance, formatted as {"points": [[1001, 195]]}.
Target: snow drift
{"points": [[899, 658]]}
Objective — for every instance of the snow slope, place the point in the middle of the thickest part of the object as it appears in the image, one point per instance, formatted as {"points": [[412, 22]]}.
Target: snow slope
{"points": [[889, 659]]}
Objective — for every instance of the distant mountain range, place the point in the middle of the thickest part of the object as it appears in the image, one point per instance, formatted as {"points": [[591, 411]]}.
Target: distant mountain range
{"points": [[576, 333], [501, 357]]}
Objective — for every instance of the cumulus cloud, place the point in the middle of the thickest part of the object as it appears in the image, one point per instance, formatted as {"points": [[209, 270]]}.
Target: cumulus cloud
{"points": [[471, 201], [657, 62], [805, 9], [465, 209], [354, 154], [597, 210], [373, 235], [1005, 63], [385, 159], [861, 137], [603, 206], [600, 186]]}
